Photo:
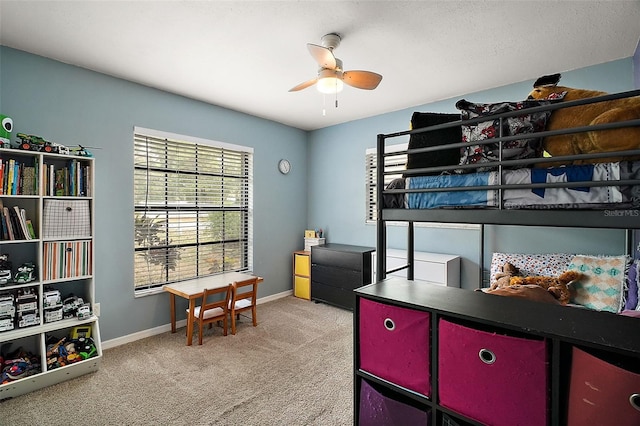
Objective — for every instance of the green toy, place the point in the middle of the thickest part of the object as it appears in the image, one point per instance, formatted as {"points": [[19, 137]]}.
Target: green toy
{"points": [[5, 131]]}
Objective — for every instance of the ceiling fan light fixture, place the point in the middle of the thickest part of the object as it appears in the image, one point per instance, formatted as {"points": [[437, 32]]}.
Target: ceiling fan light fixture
{"points": [[329, 85], [329, 81]]}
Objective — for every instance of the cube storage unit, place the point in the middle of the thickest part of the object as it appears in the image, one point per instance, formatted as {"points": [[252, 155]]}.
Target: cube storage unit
{"points": [[302, 274], [469, 358], [51, 230]]}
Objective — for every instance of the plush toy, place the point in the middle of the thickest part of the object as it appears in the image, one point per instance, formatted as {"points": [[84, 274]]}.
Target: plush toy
{"points": [[5, 131], [628, 138], [510, 283], [503, 278], [557, 286]]}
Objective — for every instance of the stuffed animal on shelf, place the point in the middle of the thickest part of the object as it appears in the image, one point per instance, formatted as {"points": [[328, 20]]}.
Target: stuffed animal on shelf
{"points": [[503, 278], [621, 139], [557, 286], [509, 282]]}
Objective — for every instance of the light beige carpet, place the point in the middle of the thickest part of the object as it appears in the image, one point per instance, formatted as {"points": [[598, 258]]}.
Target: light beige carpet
{"points": [[295, 368]]}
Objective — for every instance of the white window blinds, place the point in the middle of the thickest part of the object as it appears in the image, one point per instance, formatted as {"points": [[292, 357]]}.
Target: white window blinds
{"points": [[396, 163], [193, 208]]}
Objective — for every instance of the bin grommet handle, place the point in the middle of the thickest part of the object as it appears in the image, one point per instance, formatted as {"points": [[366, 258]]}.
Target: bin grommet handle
{"points": [[389, 324], [634, 400], [487, 356]]}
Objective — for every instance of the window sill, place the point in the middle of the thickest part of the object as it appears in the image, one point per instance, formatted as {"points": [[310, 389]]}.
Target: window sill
{"points": [[148, 292]]}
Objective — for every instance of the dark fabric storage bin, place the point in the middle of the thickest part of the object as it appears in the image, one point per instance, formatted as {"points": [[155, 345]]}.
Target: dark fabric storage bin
{"points": [[394, 345], [377, 409], [601, 393], [492, 378]]}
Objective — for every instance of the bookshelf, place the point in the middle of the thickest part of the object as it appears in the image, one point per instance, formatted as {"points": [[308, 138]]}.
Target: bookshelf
{"points": [[47, 288]]}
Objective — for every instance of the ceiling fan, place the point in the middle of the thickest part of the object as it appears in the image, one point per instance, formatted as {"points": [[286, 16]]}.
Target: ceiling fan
{"points": [[331, 76]]}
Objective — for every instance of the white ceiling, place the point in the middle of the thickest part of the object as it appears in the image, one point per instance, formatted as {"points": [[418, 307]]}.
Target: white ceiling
{"points": [[246, 55]]}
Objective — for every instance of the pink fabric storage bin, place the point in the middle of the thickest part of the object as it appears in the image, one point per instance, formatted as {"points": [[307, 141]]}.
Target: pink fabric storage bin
{"points": [[494, 379], [377, 409], [601, 393], [394, 345]]}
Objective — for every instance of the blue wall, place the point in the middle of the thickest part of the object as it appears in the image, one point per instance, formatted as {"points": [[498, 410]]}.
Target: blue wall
{"points": [[75, 106], [337, 183], [636, 66]]}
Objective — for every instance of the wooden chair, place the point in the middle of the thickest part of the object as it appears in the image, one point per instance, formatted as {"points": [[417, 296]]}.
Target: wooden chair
{"points": [[243, 298], [210, 312]]}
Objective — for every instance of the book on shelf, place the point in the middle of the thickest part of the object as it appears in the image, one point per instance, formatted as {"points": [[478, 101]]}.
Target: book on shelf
{"points": [[7, 219], [29, 180], [22, 221], [10, 166], [15, 223], [3, 225], [32, 232]]}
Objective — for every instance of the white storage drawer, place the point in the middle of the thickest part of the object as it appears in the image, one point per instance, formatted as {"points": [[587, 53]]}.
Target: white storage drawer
{"points": [[434, 268]]}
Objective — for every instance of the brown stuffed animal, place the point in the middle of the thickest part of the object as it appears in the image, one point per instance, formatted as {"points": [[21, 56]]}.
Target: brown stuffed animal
{"points": [[503, 278], [597, 113], [558, 287]]}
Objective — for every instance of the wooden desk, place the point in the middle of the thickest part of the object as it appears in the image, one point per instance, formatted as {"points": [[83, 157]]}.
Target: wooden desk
{"points": [[193, 290]]}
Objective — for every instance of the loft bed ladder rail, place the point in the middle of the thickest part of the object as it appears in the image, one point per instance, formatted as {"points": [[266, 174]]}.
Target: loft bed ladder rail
{"points": [[381, 230]]}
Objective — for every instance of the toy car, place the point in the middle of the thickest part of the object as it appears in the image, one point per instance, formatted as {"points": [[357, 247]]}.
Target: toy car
{"points": [[51, 299], [7, 305], [37, 143], [84, 311], [70, 306], [5, 276], [5, 269], [26, 273]]}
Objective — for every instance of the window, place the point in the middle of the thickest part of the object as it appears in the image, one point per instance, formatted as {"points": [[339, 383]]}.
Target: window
{"points": [[396, 163], [193, 208]]}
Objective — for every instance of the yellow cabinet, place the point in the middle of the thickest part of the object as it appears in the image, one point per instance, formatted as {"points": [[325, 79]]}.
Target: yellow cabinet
{"points": [[302, 274]]}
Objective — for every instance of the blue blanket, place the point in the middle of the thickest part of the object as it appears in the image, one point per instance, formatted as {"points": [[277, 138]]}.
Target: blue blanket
{"points": [[433, 200]]}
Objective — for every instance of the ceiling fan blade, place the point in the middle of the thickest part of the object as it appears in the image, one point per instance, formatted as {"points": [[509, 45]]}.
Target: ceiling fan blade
{"points": [[323, 56], [362, 79], [304, 85]]}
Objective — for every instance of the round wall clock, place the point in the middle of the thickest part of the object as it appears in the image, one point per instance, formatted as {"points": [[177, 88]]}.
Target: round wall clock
{"points": [[284, 166]]}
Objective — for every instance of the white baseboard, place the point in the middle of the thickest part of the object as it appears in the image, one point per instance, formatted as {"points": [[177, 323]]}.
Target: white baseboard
{"points": [[112, 343]]}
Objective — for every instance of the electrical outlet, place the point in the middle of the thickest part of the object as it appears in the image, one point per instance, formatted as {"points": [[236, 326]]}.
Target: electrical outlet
{"points": [[96, 309]]}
